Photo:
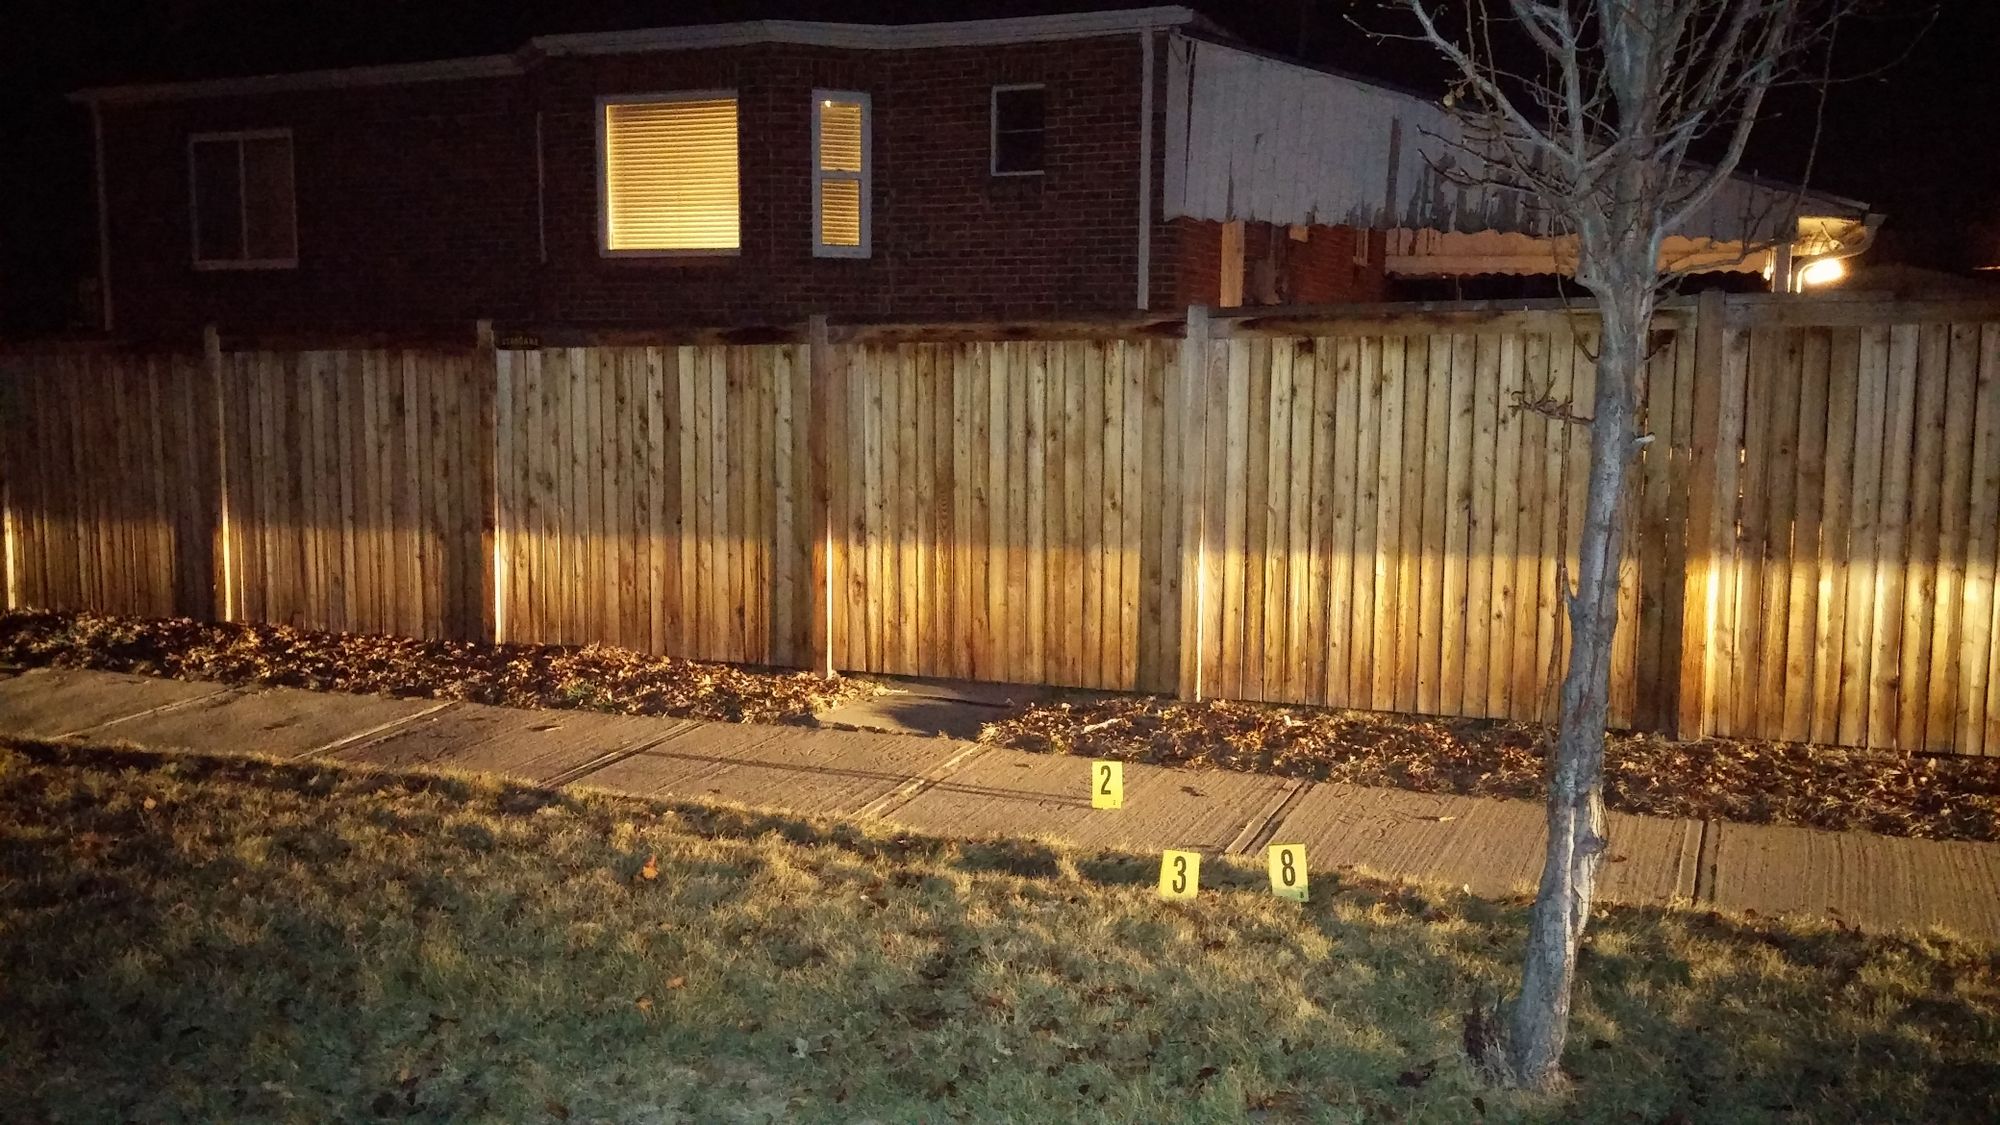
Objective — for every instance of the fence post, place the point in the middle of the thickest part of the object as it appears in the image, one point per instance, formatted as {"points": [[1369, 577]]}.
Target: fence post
{"points": [[1707, 514], [821, 419], [215, 501], [486, 384], [1193, 406], [11, 425]]}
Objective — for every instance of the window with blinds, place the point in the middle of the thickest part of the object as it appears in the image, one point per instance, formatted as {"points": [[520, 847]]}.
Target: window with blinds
{"points": [[242, 200], [840, 174], [670, 174]]}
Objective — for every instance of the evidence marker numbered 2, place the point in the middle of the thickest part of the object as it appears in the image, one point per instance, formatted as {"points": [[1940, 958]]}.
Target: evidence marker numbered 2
{"points": [[1107, 785]]}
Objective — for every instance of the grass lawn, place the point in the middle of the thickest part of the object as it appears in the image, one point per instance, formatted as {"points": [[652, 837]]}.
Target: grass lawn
{"points": [[189, 938]]}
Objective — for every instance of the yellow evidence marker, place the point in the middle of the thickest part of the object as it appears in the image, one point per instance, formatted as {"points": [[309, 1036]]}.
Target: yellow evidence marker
{"points": [[1107, 785], [1288, 870], [1180, 875]]}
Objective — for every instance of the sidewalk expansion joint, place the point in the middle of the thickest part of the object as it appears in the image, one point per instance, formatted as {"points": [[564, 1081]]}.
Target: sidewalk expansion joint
{"points": [[1704, 864], [164, 708], [1262, 826], [915, 787], [374, 733], [578, 772]]}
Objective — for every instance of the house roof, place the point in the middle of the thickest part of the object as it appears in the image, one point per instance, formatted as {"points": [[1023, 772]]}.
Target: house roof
{"points": [[858, 36]]}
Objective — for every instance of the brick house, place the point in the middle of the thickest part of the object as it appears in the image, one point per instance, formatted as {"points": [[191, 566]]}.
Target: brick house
{"points": [[992, 168], [756, 173]]}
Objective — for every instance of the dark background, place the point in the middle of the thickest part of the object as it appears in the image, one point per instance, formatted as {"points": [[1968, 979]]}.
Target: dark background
{"points": [[1920, 141]]}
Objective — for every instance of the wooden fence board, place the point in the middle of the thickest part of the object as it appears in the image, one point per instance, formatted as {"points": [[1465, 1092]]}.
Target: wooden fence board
{"points": [[1357, 675], [1389, 554], [1979, 650]]}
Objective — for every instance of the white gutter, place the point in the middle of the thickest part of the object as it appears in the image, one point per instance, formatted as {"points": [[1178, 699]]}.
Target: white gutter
{"points": [[103, 221], [867, 36], [483, 66], [1145, 168]]}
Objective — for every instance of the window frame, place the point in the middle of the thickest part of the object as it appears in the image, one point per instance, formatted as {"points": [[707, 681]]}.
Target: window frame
{"points": [[237, 137], [865, 178], [603, 129], [993, 128]]}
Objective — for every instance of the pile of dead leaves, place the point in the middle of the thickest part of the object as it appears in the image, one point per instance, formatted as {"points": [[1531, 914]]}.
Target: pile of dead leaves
{"points": [[1931, 796], [596, 678]]}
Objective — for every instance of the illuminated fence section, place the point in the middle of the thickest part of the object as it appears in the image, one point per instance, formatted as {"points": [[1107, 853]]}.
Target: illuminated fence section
{"points": [[1374, 507]]}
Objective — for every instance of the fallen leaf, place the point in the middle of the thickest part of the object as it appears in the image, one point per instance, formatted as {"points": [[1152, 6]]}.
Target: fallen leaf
{"points": [[1417, 1077], [652, 869], [151, 804], [644, 1003], [677, 982]]}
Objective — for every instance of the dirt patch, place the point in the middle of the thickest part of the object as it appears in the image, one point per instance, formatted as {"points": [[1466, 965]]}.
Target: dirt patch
{"points": [[596, 678], [1930, 796]]}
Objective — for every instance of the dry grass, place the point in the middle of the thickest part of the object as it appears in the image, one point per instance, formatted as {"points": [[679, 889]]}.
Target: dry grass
{"points": [[208, 939], [1940, 797], [599, 677]]}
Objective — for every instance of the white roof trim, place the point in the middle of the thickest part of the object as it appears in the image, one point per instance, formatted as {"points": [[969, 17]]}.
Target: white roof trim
{"points": [[480, 66], [870, 36], [862, 36]]}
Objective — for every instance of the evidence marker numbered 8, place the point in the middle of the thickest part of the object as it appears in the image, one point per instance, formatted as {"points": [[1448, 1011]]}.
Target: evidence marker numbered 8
{"points": [[1287, 864]]}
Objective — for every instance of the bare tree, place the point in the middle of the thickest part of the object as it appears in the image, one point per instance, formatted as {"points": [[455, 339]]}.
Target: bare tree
{"points": [[1606, 127]]}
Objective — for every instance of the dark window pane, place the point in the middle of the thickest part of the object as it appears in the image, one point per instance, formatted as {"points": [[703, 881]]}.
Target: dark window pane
{"points": [[218, 202], [1015, 110], [1017, 152], [267, 199]]}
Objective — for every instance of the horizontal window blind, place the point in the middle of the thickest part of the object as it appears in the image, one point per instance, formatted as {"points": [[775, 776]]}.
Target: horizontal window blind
{"points": [[839, 136], [671, 176], [840, 212]]}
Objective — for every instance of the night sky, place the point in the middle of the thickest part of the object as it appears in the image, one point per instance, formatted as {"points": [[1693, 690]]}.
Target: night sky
{"points": [[1920, 142]]}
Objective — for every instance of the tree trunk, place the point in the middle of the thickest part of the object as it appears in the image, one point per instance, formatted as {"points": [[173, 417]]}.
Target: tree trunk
{"points": [[1538, 1019]]}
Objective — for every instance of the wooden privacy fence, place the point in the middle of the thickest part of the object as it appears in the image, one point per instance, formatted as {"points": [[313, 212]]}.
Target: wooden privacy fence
{"points": [[1371, 508]]}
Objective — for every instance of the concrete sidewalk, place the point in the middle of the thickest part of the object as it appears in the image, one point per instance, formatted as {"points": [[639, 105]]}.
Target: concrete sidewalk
{"points": [[1491, 847]]}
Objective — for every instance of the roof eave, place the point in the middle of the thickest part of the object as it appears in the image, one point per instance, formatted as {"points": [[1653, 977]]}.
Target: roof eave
{"points": [[1024, 29]]}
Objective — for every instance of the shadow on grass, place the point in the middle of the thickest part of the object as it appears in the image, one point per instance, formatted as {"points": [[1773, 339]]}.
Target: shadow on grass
{"points": [[464, 946]]}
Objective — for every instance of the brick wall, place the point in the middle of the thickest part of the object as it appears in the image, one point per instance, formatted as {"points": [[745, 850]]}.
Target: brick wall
{"points": [[417, 205], [415, 208], [1323, 270], [1198, 279], [949, 238]]}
